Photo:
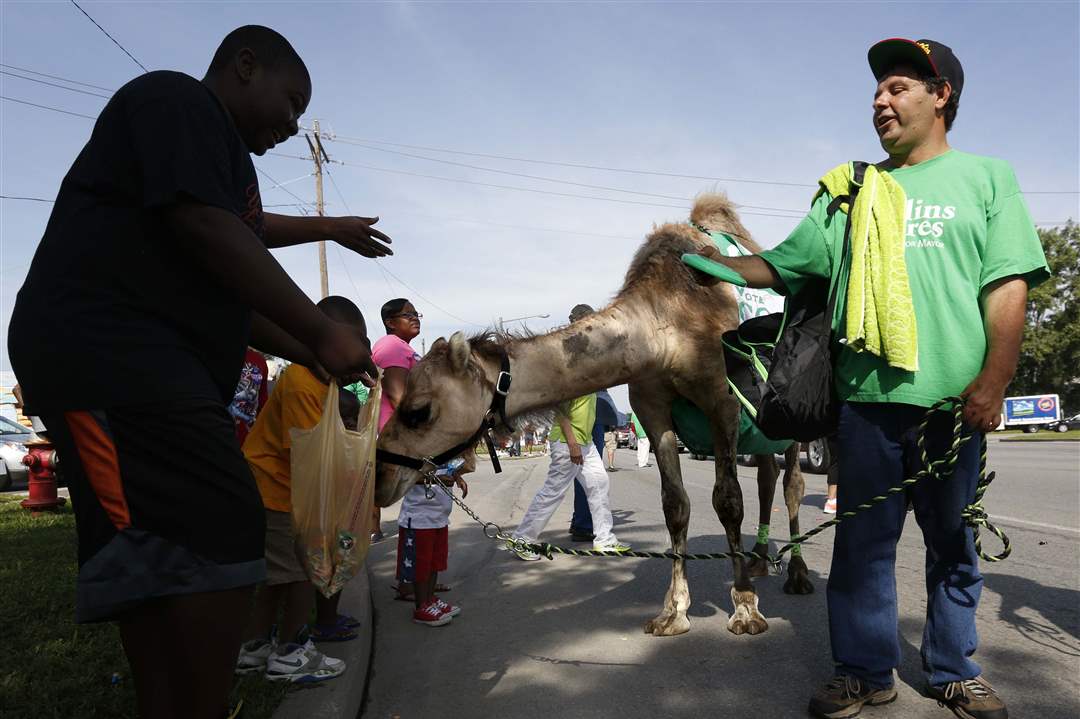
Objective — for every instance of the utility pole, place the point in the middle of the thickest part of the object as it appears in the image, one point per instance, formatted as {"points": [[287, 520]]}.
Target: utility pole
{"points": [[318, 156]]}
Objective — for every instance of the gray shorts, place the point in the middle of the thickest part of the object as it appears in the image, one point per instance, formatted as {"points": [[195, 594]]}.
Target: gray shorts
{"points": [[283, 564]]}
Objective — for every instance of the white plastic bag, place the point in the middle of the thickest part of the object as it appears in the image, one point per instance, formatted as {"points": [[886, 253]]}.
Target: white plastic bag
{"points": [[333, 486]]}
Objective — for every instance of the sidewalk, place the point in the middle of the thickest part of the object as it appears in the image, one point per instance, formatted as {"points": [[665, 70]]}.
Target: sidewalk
{"points": [[340, 698]]}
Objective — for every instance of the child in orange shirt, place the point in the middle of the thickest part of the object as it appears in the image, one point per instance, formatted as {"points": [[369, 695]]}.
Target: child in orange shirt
{"points": [[296, 402]]}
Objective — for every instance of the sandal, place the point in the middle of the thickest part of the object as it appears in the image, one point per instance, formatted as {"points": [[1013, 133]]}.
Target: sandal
{"points": [[333, 633], [347, 621]]}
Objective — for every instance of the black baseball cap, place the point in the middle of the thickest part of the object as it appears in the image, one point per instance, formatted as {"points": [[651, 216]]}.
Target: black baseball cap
{"points": [[927, 56], [580, 311]]}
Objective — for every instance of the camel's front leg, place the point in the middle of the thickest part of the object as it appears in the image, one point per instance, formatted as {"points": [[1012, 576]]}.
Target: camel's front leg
{"points": [[767, 472], [728, 503], [652, 405], [798, 581]]}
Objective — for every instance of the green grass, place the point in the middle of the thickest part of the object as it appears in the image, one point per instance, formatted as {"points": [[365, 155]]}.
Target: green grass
{"points": [[1044, 435], [52, 668]]}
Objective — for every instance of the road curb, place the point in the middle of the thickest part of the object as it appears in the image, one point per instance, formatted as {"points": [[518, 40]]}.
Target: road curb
{"points": [[343, 697]]}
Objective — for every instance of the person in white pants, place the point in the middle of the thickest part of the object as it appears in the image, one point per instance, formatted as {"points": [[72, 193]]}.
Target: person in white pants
{"points": [[643, 452], [642, 442], [571, 459]]}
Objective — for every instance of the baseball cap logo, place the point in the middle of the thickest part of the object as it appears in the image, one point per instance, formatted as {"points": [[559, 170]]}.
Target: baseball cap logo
{"points": [[925, 47]]}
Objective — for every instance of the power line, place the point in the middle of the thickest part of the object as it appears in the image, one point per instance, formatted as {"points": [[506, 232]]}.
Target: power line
{"points": [[412, 289], [378, 264], [578, 165], [277, 185], [547, 192], [52, 84], [27, 199], [109, 36], [46, 107], [56, 77], [545, 179], [356, 140]]}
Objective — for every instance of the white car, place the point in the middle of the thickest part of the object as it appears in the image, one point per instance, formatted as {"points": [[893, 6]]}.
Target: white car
{"points": [[13, 440]]}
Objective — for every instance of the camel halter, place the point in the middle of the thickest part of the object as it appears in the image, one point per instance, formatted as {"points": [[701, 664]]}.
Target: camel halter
{"points": [[495, 414]]}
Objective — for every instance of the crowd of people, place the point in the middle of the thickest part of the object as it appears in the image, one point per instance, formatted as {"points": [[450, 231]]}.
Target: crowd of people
{"points": [[156, 263]]}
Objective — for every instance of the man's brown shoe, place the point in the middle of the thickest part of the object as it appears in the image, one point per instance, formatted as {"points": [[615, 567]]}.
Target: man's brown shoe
{"points": [[843, 697], [970, 699]]}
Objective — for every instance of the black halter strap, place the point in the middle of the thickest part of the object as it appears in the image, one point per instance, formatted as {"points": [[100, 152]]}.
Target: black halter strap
{"points": [[487, 427]]}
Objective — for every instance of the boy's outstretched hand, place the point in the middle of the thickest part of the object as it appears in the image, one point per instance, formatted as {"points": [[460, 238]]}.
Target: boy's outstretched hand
{"points": [[358, 235], [344, 352]]}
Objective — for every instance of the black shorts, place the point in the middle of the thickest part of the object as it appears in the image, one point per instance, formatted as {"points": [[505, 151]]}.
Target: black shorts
{"points": [[164, 503]]}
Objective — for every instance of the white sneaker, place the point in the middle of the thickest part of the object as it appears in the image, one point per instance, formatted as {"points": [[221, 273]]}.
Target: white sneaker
{"points": [[615, 546], [302, 664], [253, 656], [526, 555]]}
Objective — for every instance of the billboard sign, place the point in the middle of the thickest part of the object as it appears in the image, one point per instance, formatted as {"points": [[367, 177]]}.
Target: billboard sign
{"points": [[1032, 409]]}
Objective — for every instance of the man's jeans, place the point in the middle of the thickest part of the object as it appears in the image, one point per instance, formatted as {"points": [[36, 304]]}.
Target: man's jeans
{"points": [[877, 450]]}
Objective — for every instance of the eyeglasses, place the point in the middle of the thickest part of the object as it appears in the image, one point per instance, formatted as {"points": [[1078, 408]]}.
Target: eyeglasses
{"points": [[409, 315]]}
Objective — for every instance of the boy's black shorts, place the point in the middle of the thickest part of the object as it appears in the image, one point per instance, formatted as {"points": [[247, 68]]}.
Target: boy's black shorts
{"points": [[164, 503]]}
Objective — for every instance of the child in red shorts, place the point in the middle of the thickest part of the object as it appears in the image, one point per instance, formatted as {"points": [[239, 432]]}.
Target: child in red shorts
{"points": [[423, 547]]}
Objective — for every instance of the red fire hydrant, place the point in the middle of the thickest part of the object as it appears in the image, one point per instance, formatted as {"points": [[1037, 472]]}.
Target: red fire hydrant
{"points": [[41, 459]]}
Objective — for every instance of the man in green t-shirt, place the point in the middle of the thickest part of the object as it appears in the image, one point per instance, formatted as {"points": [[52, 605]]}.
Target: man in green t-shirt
{"points": [[971, 252]]}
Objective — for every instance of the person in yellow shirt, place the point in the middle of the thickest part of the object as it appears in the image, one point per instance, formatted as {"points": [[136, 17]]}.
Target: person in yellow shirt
{"points": [[296, 402]]}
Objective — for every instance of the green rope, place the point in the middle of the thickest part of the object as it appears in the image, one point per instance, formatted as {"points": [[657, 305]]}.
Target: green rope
{"points": [[974, 515]]}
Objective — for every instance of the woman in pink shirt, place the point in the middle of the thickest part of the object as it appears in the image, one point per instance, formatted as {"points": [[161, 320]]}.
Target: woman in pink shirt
{"points": [[395, 357]]}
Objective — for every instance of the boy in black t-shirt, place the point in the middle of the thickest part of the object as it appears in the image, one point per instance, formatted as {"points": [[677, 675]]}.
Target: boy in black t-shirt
{"points": [[154, 268]]}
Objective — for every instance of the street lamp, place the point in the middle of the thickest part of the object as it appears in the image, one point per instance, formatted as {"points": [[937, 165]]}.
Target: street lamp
{"points": [[503, 322]]}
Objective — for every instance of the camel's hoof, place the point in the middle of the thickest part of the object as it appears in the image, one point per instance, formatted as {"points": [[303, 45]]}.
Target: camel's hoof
{"points": [[798, 581], [667, 625], [758, 567], [746, 619], [755, 625]]}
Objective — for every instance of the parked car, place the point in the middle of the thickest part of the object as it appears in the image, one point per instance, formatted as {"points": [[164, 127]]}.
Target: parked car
{"points": [[817, 456], [13, 440], [1066, 424], [623, 435]]}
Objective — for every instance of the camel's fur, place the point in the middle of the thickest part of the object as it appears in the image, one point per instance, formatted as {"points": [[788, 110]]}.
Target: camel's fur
{"points": [[661, 336]]}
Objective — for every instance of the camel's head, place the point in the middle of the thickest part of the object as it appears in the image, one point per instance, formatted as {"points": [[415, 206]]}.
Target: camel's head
{"points": [[446, 397]]}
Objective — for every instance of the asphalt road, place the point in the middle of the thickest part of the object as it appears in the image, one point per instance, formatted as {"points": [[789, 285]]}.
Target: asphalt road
{"points": [[564, 638]]}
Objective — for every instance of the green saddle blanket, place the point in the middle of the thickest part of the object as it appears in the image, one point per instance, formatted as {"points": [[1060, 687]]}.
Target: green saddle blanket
{"points": [[693, 429]]}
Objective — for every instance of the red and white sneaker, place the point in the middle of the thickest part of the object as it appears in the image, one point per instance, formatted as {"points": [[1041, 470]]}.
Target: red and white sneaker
{"points": [[448, 609], [431, 615]]}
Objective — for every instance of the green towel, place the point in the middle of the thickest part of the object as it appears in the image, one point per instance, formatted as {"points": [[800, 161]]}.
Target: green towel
{"points": [[880, 314]]}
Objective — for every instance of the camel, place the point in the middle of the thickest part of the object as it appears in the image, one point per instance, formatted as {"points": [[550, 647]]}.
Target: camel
{"points": [[661, 336]]}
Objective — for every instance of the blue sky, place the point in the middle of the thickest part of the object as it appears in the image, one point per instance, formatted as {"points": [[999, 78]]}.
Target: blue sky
{"points": [[766, 91]]}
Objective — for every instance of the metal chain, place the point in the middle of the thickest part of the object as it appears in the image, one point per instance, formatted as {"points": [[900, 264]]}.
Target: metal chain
{"points": [[974, 515]]}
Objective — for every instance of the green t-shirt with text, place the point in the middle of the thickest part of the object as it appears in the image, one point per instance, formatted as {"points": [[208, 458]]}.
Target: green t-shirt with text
{"points": [[582, 414], [966, 226]]}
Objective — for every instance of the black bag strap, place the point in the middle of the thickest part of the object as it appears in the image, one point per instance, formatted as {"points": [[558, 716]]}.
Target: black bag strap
{"points": [[857, 176]]}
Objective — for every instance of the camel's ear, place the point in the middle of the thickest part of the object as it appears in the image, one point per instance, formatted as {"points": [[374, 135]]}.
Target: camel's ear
{"points": [[438, 344], [459, 352]]}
